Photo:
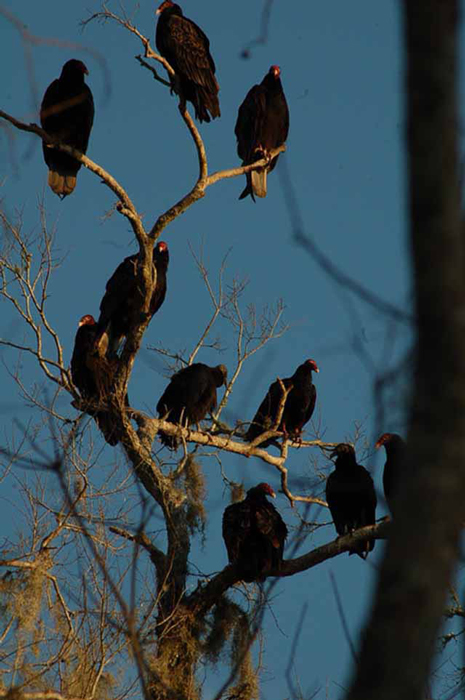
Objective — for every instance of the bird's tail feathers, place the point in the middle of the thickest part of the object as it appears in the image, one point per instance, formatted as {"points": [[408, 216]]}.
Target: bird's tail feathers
{"points": [[248, 189], [61, 183], [206, 103], [258, 179]]}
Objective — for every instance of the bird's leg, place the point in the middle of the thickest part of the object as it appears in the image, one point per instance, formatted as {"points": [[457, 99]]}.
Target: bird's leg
{"points": [[264, 153]]}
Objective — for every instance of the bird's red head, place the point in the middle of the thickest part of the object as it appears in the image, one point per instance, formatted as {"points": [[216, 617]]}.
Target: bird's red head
{"points": [[312, 364], [275, 71], [384, 439], [87, 320], [162, 247], [164, 6], [75, 66], [266, 488]]}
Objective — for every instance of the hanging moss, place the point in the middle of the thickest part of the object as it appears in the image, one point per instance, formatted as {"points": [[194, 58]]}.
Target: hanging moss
{"points": [[224, 618], [194, 479], [22, 596], [176, 661], [247, 686]]}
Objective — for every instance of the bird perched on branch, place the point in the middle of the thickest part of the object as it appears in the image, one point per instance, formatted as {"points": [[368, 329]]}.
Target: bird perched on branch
{"points": [[297, 406], [262, 125], [351, 497], [187, 50], [254, 534], [189, 396], [93, 375], [122, 298], [67, 113], [395, 455]]}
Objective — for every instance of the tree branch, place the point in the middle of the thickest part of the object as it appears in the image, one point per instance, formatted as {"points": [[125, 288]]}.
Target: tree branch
{"points": [[201, 600], [126, 207]]}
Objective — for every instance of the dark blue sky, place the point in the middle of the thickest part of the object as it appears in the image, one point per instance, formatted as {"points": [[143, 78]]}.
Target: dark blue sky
{"points": [[341, 71]]}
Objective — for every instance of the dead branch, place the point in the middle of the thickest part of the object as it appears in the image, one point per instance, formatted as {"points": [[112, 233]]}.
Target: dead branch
{"points": [[126, 207], [205, 596]]}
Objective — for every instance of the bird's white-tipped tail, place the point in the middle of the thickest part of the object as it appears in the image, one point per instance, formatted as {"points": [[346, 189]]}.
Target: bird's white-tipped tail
{"points": [[258, 178]]}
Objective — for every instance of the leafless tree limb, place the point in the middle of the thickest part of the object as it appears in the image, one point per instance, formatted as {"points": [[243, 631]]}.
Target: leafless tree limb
{"points": [[126, 206]]}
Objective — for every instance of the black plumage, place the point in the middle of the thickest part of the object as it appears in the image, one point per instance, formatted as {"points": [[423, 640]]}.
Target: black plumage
{"points": [[298, 409], [67, 113], [262, 125], [395, 455], [189, 396], [254, 534], [122, 298], [93, 375], [351, 497], [187, 50]]}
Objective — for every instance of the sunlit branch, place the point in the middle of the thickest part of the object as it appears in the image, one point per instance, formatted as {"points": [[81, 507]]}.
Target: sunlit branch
{"points": [[243, 169], [150, 427], [202, 599], [127, 24], [198, 191], [126, 207], [153, 70]]}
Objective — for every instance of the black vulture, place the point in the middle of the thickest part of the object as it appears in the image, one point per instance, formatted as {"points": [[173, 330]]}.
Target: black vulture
{"points": [[122, 297], [187, 50], [67, 113], [254, 534], [92, 375], [298, 409], [189, 396], [262, 125], [351, 497]]}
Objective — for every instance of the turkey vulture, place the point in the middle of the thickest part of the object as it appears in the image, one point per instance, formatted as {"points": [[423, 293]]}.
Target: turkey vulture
{"points": [[189, 396], [298, 408], [351, 497], [67, 113], [262, 124], [92, 375], [187, 50], [395, 455], [254, 534], [121, 298]]}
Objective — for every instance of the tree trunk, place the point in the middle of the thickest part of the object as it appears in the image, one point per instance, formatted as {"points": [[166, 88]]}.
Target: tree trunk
{"points": [[398, 643]]}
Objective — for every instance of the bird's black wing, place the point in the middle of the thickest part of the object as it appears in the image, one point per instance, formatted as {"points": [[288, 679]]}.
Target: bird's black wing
{"points": [[249, 124]]}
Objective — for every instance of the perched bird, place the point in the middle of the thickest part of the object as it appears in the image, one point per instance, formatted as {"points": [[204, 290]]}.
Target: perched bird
{"points": [[189, 396], [395, 456], [262, 125], [67, 113], [187, 50], [92, 375], [351, 497], [298, 408], [122, 298], [254, 534]]}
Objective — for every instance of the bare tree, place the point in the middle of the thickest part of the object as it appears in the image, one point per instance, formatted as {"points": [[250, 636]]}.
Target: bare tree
{"points": [[103, 614], [97, 603]]}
